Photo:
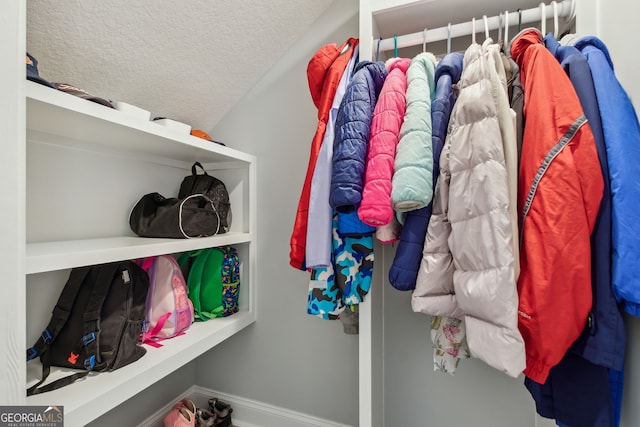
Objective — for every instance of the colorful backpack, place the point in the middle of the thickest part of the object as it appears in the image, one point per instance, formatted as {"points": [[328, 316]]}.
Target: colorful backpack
{"points": [[213, 278], [169, 312]]}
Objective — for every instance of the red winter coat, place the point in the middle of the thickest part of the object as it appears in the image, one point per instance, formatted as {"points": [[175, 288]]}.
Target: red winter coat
{"points": [[324, 72], [559, 191]]}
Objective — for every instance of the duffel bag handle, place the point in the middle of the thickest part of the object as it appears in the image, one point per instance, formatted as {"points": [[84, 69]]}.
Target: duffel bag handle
{"points": [[182, 206]]}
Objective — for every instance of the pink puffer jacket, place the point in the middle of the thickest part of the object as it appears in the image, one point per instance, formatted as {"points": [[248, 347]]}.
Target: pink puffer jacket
{"points": [[376, 209]]}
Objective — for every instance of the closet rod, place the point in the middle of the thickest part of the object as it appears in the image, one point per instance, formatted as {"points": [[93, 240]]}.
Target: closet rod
{"points": [[565, 8]]}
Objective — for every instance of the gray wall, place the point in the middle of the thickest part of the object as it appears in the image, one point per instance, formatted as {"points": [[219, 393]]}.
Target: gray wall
{"points": [[141, 406], [287, 358], [415, 395]]}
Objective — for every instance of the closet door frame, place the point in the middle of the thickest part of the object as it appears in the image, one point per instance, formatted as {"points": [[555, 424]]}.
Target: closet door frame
{"points": [[12, 203], [371, 333]]}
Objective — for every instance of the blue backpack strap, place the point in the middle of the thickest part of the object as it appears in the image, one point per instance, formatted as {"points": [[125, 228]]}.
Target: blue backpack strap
{"points": [[92, 312], [60, 312], [59, 318]]}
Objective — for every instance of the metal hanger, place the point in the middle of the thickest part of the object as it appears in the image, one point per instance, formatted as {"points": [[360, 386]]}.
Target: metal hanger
{"points": [[519, 19], [506, 27], [424, 40], [555, 18]]}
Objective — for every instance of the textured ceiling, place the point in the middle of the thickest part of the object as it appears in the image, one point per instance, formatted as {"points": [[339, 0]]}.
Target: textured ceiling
{"points": [[186, 60]]}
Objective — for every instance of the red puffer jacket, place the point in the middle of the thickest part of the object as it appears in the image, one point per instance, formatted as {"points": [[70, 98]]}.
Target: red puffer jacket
{"points": [[324, 72], [559, 192]]}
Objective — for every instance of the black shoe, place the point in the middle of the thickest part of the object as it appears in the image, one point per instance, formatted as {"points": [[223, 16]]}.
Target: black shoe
{"points": [[222, 411]]}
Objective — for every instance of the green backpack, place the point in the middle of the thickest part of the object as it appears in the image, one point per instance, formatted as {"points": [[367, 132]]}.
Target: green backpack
{"points": [[213, 279]]}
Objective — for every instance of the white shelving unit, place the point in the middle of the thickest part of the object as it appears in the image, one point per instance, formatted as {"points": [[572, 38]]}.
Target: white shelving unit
{"points": [[86, 166]]}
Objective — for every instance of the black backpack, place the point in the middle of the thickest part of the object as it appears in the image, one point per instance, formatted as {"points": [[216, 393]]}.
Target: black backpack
{"points": [[96, 323], [211, 187]]}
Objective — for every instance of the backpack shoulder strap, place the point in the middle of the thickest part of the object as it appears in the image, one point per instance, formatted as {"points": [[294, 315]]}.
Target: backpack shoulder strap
{"points": [[231, 265], [59, 318], [194, 281], [211, 291], [60, 312], [91, 317]]}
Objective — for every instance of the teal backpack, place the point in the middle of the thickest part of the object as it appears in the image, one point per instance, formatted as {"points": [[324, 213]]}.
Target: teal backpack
{"points": [[213, 279]]}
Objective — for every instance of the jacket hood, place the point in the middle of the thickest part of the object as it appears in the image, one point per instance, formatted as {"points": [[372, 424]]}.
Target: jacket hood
{"points": [[451, 64], [559, 51], [398, 63], [596, 43], [321, 62], [376, 70], [522, 41]]}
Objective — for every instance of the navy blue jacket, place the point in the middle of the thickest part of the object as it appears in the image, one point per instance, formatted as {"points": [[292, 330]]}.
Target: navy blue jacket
{"points": [[603, 341], [353, 125], [405, 266]]}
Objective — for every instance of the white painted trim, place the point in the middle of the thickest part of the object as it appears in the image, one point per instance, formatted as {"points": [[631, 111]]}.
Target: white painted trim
{"points": [[246, 412], [13, 203]]}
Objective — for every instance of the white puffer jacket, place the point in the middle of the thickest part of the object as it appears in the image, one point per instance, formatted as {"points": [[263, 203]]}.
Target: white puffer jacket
{"points": [[467, 270]]}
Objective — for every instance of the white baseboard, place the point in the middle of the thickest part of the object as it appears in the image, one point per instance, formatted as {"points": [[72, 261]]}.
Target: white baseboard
{"points": [[246, 412]]}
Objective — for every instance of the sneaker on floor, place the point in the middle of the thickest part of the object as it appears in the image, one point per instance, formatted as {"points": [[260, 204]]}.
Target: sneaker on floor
{"points": [[222, 411], [205, 418]]}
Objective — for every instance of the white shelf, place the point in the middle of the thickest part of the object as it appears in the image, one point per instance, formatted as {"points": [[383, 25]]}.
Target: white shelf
{"points": [[81, 123], [50, 256], [95, 395], [117, 156]]}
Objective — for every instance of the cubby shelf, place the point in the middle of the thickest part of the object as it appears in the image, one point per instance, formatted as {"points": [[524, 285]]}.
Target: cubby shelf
{"points": [[94, 395], [86, 165]]}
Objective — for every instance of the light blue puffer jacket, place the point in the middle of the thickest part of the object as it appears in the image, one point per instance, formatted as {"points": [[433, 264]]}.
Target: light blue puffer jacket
{"points": [[404, 270], [412, 183]]}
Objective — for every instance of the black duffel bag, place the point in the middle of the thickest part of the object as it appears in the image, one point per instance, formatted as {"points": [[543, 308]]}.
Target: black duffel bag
{"points": [[156, 216], [211, 187]]}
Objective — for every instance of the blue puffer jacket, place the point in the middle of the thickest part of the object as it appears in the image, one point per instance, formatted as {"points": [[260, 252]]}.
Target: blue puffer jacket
{"points": [[404, 270], [353, 125], [622, 139]]}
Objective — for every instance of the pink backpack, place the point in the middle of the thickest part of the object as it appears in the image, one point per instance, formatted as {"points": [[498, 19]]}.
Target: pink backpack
{"points": [[169, 309]]}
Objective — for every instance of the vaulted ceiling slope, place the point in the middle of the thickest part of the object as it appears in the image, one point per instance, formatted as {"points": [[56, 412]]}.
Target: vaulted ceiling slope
{"points": [[186, 60]]}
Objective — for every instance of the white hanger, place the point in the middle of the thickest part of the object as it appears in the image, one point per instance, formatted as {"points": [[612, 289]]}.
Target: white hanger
{"points": [[572, 13], [449, 38], [473, 30], [543, 19], [555, 18], [499, 27], [486, 27]]}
